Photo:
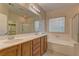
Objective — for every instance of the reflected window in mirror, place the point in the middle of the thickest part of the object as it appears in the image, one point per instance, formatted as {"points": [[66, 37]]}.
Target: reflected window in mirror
{"points": [[37, 24]]}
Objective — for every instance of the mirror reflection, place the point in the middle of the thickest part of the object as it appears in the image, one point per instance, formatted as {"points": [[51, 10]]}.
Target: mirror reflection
{"points": [[20, 19]]}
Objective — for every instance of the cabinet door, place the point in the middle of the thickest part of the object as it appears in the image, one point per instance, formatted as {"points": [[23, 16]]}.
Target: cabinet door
{"points": [[27, 48], [12, 51], [42, 45], [45, 43]]}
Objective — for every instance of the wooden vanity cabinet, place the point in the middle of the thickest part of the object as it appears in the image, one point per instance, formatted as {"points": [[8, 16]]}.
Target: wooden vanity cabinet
{"points": [[35, 47], [11, 51], [26, 49]]}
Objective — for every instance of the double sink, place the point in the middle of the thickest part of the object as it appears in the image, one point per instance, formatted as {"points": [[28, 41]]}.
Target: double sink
{"points": [[12, 38]]}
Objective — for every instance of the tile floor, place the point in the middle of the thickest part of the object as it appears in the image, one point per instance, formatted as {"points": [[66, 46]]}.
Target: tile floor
{"points": [[53, 53]]}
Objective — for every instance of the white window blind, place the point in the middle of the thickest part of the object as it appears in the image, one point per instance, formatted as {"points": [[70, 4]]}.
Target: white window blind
{"points": [[57, 24]]}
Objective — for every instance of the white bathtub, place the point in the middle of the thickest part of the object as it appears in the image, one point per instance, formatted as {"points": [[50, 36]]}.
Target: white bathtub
{"points": [[63, 45]]}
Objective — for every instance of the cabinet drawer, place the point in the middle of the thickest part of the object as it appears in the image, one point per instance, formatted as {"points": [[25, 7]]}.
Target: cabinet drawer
{"points": [[36, 46], [36, 41], [36, 52]]}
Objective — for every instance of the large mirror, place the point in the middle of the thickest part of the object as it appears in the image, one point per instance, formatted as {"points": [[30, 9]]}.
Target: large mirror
{"points": [[20, 19]]}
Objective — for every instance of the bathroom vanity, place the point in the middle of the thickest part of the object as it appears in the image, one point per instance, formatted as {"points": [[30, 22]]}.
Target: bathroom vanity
{"points": [[24, 45]]}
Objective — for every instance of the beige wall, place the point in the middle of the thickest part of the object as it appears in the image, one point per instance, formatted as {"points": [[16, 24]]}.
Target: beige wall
{"points": [[68, 13]]}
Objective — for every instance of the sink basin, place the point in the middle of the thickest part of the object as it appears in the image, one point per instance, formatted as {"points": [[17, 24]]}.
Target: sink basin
{"points": [[39, 33], [3, 42], [9, 41]]}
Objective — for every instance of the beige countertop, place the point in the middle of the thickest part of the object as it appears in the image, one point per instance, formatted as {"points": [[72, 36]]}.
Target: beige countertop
{"points": [[18, 39]]}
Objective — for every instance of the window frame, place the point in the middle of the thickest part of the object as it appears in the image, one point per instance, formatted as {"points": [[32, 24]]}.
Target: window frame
{"points": [[64, 25]]}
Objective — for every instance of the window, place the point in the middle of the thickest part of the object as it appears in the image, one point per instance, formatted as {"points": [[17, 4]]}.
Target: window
{"points": [[37, 26], [57, 24]]}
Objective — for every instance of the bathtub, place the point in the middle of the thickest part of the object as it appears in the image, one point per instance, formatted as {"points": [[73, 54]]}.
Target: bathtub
{"points": [[63, 45]]}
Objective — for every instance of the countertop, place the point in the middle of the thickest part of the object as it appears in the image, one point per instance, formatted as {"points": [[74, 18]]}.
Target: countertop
{"points": [[18, 39]]}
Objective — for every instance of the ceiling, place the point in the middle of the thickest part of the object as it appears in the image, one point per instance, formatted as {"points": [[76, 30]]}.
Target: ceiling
{"points": [[54, 6], [20, 8]]}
